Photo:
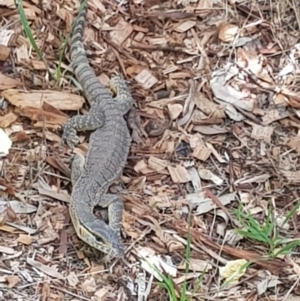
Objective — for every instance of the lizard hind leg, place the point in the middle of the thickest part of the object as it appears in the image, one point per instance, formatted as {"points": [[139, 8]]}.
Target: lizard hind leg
{"points": [[114, 210], [123, 95], [76, 168], [128, 104]]}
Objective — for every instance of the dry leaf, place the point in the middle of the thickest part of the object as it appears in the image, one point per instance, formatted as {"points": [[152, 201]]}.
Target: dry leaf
{"points": [[206, 174], [12, 280], [5, 145], [233, 270], [228, 32], [89, 285]]}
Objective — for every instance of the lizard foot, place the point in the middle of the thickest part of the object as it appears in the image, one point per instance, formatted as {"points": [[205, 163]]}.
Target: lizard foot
{"points": [[69, 137], [134, 123]]}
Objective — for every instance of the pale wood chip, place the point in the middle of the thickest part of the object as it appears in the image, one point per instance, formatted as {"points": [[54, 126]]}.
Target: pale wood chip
{"points": [[122, 31], [73, 279], [18, 207], [4, 54], [255, 179], [146, 79], [7, 82], [54, 194], [142, 167], [160, 201], [6, 228], [227, 32], [262, 132], [206, 174], [215, 153], [185, 26], [201, 152], [6, 34], [175, 110], [157, 164], [7, 250], [292, 176], [8, 119], [50, 271], [22, 54], [101, 294], [38, 65], [274, 115], [25, 239], [186, 277], [6, 143], [35, 99], [209, 129], [179, 174], [208, 107], [293, 143]]}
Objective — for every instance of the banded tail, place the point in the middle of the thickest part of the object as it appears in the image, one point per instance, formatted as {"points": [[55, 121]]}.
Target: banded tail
{"points": [[85, 75]]}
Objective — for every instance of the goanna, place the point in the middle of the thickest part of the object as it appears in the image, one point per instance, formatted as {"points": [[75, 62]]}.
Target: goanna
{"points": [[107, 154]]}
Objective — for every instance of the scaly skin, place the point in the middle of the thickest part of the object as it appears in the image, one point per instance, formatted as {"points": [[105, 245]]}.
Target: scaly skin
{"points": [[107, 154]]}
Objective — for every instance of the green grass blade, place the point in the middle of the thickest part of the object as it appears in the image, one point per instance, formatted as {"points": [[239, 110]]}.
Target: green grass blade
{"points": [[288, 248], [26, 27], [290, 214]]}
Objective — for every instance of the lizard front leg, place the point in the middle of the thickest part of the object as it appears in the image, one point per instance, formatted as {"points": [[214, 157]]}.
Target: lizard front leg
{"points": [[80, 123]]}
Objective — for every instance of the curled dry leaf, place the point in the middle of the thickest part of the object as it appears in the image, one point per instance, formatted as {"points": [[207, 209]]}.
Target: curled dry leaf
{"points": [[233, 270], [227, 32], [89, 285], [206, 174], [208, 107], [12, 280], [6, 143]]}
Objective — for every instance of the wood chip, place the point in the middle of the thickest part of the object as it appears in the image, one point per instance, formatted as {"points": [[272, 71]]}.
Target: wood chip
{"points": [[262, 133], [58, 100], [25, 239], [146, 79], [52, 272], [179, 174], [4, 54]]}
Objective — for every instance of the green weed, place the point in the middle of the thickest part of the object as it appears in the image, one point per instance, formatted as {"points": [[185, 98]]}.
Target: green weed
{"points": [[267, 233]]}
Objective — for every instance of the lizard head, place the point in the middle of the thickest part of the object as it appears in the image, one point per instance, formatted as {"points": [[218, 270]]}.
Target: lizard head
{"points": [[100, 236]]}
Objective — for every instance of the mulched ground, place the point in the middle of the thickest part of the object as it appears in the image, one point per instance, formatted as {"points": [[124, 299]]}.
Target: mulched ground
{"points": [[216, 83]]}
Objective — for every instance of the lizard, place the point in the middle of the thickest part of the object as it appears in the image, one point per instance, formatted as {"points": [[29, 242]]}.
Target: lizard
{"points": [[109, 146]]}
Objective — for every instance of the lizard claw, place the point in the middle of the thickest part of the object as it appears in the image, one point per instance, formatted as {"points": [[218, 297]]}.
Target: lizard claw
{"points": [[69, 137]]}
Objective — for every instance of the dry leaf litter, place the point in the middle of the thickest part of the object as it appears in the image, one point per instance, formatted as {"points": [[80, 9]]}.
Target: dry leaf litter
{"points": [[216, 84]]}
